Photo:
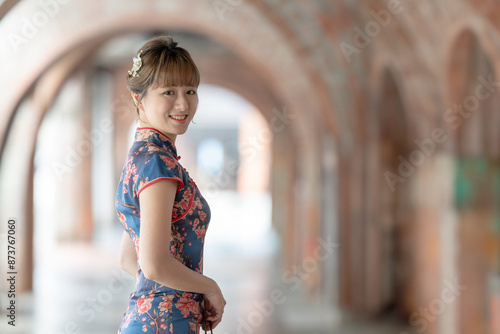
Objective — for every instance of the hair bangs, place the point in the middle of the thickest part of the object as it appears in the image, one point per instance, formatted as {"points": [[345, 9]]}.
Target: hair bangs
{"points": [[176, 70]]}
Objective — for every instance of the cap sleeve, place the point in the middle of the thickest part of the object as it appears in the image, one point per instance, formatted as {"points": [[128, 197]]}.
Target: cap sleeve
{"points": [[158, 166]]}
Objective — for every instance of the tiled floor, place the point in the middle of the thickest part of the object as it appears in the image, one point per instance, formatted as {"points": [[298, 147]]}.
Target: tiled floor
{"points": [[77, 294], [79, 288]]}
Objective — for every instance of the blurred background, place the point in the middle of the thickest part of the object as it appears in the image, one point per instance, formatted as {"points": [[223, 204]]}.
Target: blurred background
{"points": [[349, 149]]}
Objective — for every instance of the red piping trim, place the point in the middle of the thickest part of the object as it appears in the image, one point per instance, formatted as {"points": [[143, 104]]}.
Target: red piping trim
{"points": [[188, 208], [160, 179]]}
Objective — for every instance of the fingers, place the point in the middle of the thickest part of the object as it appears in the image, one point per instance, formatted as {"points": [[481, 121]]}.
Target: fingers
{"points": [[213, 308], [216, 323], [211, 322], [206, 326], [211, 317]]}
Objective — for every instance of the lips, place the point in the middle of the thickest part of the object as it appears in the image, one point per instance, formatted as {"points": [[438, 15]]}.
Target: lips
{"points": [[178, 117]]}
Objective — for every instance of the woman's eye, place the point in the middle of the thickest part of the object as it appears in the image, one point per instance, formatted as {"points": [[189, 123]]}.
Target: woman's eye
{"points": [[191, 92], [169, 92]]}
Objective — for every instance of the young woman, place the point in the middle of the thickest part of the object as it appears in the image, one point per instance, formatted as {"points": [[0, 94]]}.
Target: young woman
{"points": [[162, 211]]}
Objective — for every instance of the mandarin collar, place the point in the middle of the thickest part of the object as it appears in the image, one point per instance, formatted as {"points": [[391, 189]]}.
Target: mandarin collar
{"points": [[156, 137]]}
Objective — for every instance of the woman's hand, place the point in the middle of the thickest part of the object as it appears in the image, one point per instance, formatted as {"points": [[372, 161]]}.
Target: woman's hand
{"points": [[212, 309]]}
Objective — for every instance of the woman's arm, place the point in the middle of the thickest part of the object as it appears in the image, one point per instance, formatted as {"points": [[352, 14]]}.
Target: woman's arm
{"points": [[128, 255], [156, 203]]}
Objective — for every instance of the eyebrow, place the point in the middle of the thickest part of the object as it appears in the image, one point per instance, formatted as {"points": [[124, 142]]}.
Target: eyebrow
{"points": [[188, 86]]}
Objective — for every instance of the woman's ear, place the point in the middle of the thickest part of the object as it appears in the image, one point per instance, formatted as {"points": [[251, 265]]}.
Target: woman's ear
{"points": [[137, 99]]}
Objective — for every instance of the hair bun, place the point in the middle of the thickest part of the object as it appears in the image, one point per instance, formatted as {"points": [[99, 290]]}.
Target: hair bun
{"points": [[170, 42]]}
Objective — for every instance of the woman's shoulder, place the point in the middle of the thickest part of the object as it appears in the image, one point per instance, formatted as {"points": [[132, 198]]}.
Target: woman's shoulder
{"points": [[144, 150], [150, 157]]}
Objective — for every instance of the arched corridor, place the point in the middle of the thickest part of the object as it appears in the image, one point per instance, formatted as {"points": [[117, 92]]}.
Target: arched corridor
{"points": [[358, 141]]}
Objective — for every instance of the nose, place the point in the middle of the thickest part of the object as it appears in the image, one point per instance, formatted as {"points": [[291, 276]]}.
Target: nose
{"points": [[181, 103]]}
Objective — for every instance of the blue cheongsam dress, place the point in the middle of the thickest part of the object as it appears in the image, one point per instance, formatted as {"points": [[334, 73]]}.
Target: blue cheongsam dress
{"points": [[153, 307]]}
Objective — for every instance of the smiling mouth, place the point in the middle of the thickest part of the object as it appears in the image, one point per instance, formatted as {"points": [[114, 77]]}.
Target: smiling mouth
{"points": [[178, 117]]}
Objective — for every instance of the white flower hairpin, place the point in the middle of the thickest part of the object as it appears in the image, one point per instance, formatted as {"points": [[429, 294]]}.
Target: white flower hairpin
{"points": [[137, 65]]}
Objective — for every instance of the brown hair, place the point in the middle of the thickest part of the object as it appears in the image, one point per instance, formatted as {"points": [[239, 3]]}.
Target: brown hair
{"points": [[163, 64]]}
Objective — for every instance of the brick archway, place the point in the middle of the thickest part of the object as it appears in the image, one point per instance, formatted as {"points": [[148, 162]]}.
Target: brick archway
{"points": [[475, 126], [473, 119], [264, 48], [383, 199], [387, 226]]}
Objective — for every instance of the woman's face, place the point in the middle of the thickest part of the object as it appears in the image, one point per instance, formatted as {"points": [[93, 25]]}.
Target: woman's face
{"points": [[168, 109]]}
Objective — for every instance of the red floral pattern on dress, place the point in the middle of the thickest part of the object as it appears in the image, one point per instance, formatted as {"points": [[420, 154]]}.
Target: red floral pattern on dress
{"points": [[187, 305], [123, 220], [144, 304], [171, 163], [202, 215], [201, 231], [135, 241], [143, 182], [166, 304], [131, 169], [155, 308], [152, 148]]}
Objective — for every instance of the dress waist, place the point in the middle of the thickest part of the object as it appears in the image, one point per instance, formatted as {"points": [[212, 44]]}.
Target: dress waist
{"points": [[149, 288]]}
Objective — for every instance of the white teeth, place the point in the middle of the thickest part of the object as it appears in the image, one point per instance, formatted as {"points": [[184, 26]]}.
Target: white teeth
{"points": [[179, 118]]}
